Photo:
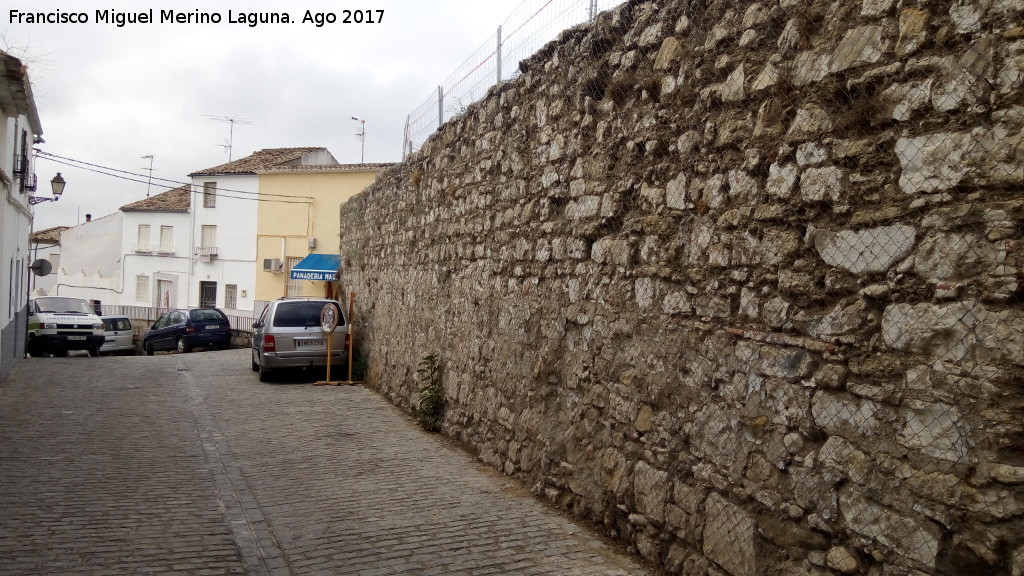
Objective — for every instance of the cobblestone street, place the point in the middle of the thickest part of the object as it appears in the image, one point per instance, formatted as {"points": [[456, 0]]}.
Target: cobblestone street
{"points": [[186, 464]]}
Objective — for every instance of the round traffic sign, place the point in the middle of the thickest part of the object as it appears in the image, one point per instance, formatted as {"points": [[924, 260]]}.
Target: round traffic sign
{"points": [[329, 317]]}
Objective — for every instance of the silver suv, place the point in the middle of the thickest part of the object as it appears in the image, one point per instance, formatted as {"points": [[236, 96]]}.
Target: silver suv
{"points": [[288, 334]]}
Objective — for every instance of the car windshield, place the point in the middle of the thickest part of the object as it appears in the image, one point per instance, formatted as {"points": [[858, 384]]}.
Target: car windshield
{"points": [[298, 314], [206, 314], [63, 305]]}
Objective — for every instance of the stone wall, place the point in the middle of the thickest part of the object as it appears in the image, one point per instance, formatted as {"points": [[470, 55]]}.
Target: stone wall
{"points": [[740, 282]]}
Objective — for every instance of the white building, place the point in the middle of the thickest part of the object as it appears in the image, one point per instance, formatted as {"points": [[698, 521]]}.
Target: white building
{"points": [[138, 256], [20, 129], [225, 226]]}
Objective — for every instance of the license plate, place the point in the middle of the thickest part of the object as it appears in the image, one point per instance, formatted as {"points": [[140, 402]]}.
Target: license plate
{"points": [[309, 343], [213, 327], [76, 337]]}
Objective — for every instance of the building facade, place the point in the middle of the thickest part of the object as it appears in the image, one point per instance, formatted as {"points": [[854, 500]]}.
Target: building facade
{"points": [[298, 231], [138, 256], [20, 129], [227, 203]]}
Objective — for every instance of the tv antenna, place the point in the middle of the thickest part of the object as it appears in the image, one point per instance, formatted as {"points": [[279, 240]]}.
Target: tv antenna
{"points": [[231, 133], [149, 182]]}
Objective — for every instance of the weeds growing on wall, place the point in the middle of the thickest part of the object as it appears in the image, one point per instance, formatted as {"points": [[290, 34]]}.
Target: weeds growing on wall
{"points": [[431, 405]]}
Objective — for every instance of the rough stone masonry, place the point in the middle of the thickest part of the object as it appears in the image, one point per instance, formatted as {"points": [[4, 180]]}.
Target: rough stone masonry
{"points": [[740, 282]]}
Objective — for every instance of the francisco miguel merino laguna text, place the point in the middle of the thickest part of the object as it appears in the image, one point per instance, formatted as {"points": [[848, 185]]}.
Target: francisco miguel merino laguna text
{"points": [[252, 19]]}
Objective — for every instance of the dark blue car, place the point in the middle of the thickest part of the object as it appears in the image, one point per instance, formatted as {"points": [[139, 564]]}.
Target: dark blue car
{"points": [[183, 330]]}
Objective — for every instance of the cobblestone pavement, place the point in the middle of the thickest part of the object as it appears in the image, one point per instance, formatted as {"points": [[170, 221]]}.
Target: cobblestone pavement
{"points": [[186, 464]]}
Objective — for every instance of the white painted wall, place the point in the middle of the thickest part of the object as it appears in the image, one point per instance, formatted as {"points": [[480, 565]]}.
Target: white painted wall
{"points": [[92, 260], [235, 218], [156, 264]]}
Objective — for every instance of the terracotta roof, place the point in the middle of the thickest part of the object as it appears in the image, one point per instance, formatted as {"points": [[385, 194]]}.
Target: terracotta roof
{"points": [[16, 90], [260, 160], [327, 168], [175, 200], [48, 236]]}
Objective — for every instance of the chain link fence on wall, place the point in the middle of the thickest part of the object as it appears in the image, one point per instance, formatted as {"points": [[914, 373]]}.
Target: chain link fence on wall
{"points": [[530, 25], [761, 272]]}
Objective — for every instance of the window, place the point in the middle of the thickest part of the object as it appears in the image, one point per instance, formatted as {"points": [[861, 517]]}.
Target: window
{"points": [[167, 238], [209, 195], [209, 239], [143, 240], [142, 287], [231, 296], [294, 286], [55, 261]]}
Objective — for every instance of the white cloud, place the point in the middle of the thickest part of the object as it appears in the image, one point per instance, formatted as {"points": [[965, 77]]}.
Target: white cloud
{"points": [[109, 95]]}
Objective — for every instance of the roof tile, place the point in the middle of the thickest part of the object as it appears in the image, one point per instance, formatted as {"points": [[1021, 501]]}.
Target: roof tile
{"points": [[260, 160], [175, 200]]}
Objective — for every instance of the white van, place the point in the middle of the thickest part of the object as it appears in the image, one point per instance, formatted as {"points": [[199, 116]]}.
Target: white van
{"points": [[57, 324]]}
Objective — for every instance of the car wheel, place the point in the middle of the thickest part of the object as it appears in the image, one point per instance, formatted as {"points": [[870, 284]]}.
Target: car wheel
{"points": [[149, 347], [264, 373], [255, 366], [94, 352], [183, 346]]}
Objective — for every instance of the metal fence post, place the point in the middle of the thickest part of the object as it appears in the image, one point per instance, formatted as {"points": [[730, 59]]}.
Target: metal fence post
{"points": [[593, 10], [440, 106], [405, 137], [498, 53]]}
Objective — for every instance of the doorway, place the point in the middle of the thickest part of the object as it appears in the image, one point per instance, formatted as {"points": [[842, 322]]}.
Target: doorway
{"points": [[207, 294]]}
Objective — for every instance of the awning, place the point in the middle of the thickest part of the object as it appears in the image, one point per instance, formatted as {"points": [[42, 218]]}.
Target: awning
{"points": [[317, 267]]}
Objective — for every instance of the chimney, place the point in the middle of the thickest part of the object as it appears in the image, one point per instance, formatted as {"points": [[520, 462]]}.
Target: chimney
{"points": [[88, 217]]}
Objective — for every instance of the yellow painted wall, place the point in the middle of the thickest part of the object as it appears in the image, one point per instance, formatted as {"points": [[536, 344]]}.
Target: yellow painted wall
{"points": [[310, 209]]}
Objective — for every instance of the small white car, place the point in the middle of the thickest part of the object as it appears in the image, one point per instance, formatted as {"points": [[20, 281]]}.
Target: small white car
{"points": [[119, 335], [58, 324]]}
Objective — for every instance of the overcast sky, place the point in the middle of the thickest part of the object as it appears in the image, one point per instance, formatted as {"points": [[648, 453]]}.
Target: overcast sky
{"points": [[108, 95]]}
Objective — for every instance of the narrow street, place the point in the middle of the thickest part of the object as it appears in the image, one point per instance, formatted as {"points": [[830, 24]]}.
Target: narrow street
{"points": [[186, 464]]}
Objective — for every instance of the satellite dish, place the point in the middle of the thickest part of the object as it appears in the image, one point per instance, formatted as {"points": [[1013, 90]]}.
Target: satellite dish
{"points": [[41, 267]]}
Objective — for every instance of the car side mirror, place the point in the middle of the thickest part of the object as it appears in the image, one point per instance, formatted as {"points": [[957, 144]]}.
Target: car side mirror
{"points": [[153, 327], [257, 324]]}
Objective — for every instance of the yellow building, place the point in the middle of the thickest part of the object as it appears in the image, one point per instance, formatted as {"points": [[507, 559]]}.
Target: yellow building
{"points": [[297, 234]]}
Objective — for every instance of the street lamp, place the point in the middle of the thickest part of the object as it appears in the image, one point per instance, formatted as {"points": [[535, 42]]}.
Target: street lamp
{"points": [[362, 138], [57, 185]]}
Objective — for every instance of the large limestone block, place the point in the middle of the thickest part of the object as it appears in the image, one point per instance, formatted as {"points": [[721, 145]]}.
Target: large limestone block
{"points": [[914, 538], [954, 256], [845, 415], [958, 331], [937, 430], [867, 251], [932, 163], [650, 490], [729, 537], [860, 46]]}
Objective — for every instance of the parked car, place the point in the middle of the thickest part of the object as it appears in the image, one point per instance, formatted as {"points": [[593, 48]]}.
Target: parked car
{"points": [[288, 334], [183, 330], [119, 335], [58, 324]]}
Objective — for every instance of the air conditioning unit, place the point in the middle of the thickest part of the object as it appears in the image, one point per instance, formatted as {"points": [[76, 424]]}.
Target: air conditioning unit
{"points": [[272, 265]]}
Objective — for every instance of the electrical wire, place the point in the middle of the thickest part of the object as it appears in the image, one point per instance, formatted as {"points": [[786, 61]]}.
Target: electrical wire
{"points": [[143, 179]]}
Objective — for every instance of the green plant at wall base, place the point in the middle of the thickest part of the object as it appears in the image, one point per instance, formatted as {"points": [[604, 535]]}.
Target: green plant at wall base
{"points": [[431, 404]]}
